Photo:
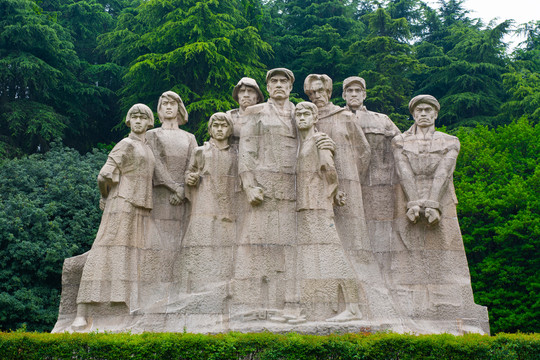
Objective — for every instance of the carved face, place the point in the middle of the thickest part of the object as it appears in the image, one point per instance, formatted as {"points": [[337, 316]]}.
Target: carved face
{"points": [[168, 109], [279, 86], [304, 119], [139, 122], [318, 94], [354, 95], [247, 96], [220, 129], [424, 115]]}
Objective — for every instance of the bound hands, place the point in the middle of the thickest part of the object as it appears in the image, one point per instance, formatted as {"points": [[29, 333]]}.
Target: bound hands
{"points": [[255, 195]]}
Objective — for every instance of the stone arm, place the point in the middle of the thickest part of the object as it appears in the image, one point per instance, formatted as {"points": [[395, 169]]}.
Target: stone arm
{"points": [[407, 179], [328, 169], [361, 146], [195, 167], [249, 151], [162, 176], [443, 174], [109, 175]]}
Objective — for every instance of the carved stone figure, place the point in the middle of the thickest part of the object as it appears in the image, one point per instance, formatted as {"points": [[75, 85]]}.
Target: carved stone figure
{"points": [[264, 269], [324, 273], [179, 248], [111, 273], [245, 93], [429, 266], [352, 158], [172, 148], [206, 260], [380, 181], [264, 275]]}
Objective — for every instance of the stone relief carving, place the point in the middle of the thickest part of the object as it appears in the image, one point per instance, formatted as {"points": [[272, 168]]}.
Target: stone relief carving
{"points": [[172, 148], [110, 273], [245, 93], [204, 267], [428, 262], [352, 158], [324, 272], [312, 218]]}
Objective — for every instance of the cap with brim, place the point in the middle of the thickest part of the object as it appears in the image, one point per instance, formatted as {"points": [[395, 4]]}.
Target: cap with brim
{"points": [[288, 73], [424, 99], [246, 81], [354, 79]]}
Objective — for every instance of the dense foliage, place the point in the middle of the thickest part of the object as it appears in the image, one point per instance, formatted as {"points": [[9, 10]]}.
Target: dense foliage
{"points": [[266, 346], [71, 69], [48, 211], [497, 181]]}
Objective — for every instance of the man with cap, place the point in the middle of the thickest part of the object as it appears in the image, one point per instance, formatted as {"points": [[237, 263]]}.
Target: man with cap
{"points": [[430, 262], [264, 261], [245, 93], [378, 128], [352, 158], [425, 161], [380, 179]]}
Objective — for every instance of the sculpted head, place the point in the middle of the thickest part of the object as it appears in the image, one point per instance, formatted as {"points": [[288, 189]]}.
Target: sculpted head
{"points": [[247, 93], [306, 115], [279, 83], [140, 118], [171, 106], [354, 92], [220, 126], [424, 109], [318, 88]]}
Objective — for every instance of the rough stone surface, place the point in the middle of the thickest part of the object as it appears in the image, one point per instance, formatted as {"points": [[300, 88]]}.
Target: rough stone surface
{"points": [[314, 219]]}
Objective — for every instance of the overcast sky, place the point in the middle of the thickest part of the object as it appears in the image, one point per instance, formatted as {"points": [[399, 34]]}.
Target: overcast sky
{"points": [[521, 11]]}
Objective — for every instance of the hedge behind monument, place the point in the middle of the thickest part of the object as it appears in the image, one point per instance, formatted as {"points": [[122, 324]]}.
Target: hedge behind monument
{"points": [[20, 345]]}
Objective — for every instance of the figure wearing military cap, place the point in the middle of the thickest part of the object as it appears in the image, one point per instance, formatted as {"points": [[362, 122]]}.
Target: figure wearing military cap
{"points": [[245, 93], [426, 222]]}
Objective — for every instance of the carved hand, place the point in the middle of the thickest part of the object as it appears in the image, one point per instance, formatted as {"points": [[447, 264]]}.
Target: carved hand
{"points": [[324, 142], [413, 213], [192, 179], [102, 203], [177, 197], [432, 215], [340, 199], [174, 199], [255, 195]]}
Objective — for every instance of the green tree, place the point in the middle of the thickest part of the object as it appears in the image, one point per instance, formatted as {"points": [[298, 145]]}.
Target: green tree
{"points": [[48, 212], [312, 37], [46, 91], [497, 180], [386, 61], [464, 68], [197, 49]]}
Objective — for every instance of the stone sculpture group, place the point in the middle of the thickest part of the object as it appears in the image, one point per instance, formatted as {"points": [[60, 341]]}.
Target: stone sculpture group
{"points": [[310, 218]]}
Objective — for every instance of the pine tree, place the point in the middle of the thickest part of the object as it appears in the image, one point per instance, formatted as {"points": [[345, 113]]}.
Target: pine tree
{"points": [[197, 49]]}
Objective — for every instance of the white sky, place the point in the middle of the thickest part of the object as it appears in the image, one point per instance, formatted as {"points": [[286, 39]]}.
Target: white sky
{"points": [[521, 11]]}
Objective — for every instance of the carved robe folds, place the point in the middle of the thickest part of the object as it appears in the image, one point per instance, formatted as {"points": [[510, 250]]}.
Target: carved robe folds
{"points": [[264, 268], [429, 269], [111, 272]]}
